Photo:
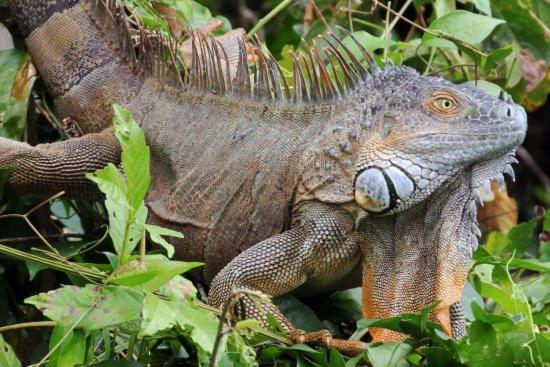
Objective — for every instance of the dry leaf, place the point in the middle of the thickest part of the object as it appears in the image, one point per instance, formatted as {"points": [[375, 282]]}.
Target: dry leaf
{"points": [[499, 214]]}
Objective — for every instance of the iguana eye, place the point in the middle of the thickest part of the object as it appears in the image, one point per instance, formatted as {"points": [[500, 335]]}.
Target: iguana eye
{"points": [[444, 103]]}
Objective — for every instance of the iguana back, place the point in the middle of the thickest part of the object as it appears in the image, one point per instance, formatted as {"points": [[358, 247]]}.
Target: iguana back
{"points": [[226, 165]]}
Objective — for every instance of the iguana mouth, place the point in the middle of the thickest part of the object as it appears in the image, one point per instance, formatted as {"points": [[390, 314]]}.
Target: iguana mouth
{"points": [[422, 255]]}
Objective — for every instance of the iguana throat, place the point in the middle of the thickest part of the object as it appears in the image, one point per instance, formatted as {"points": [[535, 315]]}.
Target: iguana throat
{"points": [[422, 255]]}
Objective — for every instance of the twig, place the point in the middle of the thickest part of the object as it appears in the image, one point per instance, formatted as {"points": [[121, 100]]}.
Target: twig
{"points": [[25, 325], [399, 14], [227, 306], [534, 167], [50, 237], [262, 22], [44, 202], [435, 72], [321, 16], [424, 29], [25, 217], [223, 318], [308, 15], [53, 264], [350, 22], [386, 30], [97, 243]]}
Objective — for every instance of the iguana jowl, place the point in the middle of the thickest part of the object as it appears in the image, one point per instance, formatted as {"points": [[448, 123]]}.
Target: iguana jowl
{"points": [[278, 190]]}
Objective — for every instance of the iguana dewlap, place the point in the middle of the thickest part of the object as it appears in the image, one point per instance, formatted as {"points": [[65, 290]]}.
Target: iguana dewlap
{"points": [[278, 189]]}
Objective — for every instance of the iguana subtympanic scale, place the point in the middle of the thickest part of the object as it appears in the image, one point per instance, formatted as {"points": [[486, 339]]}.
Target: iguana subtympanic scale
{"points": [[278, 189]]}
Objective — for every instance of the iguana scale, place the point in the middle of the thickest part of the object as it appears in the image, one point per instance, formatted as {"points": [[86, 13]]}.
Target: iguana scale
{"points": [[278, 188]]}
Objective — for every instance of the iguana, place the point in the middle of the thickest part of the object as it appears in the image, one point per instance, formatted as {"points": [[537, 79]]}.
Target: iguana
{"points": [[278, 187]]}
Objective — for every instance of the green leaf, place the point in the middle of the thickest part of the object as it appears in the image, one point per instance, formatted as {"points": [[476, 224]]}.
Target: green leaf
{"points": [[464, 26], [111, 182], [546, 224], [156, 234], [525, 29], [521, 236], [497, 56], [65, 249], [125, 193], [488, 87], [202, 324], [178, 288], [119, 363], [97, 306], [135, 155], [154, 272], [496, 243], [498, 322], [389, 355], [484, 348], [369, 42], [17, 76], [298, 313], [531, 264], [442, 7], [71, 352], [484, 6], [336, 359], [537, 291], [439, 42], [7, 355], [470, 296], [158, 315]]}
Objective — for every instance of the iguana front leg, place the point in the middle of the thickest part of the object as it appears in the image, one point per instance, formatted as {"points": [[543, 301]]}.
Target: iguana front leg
{"points": [[46, 169], [319, 248]]}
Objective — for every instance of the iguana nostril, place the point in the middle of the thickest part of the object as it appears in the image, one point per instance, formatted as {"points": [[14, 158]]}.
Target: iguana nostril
{"points": [[508, 112]]}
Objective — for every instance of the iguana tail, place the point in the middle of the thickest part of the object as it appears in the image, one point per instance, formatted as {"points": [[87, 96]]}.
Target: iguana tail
{"points": [[83, 52]]}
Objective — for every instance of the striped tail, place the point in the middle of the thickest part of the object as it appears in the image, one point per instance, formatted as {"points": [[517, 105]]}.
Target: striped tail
{"points": [[77, 49]]}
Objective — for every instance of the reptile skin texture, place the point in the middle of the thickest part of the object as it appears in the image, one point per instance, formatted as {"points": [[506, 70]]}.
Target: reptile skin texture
{"points": [[279, 190]]}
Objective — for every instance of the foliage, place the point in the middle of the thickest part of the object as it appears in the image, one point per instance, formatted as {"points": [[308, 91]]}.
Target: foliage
{"points": [[134, 308]]}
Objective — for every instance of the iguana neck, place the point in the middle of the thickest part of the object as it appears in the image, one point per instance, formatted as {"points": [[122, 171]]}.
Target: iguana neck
{"points": [[420, 256], [328, 163]]}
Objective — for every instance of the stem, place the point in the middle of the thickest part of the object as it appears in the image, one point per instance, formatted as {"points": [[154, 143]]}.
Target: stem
{"points": [[21, 255], [350, 22], [142, 248], [430, 60], [534, 167], [223, 317], [369, 24], [24, 325], [262, 22], [107, 343], [386, 30], [261, 331], [131, 343], [424, 29], [399, 15]]}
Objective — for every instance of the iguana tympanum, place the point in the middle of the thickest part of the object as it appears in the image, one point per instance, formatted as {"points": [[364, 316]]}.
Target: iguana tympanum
{"points": [[278, 189]]}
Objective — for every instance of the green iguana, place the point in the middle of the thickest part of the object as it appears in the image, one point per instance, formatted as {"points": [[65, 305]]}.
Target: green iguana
{"points": [[278, 189]]}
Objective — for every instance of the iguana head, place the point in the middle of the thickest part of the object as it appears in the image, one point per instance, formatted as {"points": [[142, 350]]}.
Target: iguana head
{"points": [[426, 131], [433, 143]]}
